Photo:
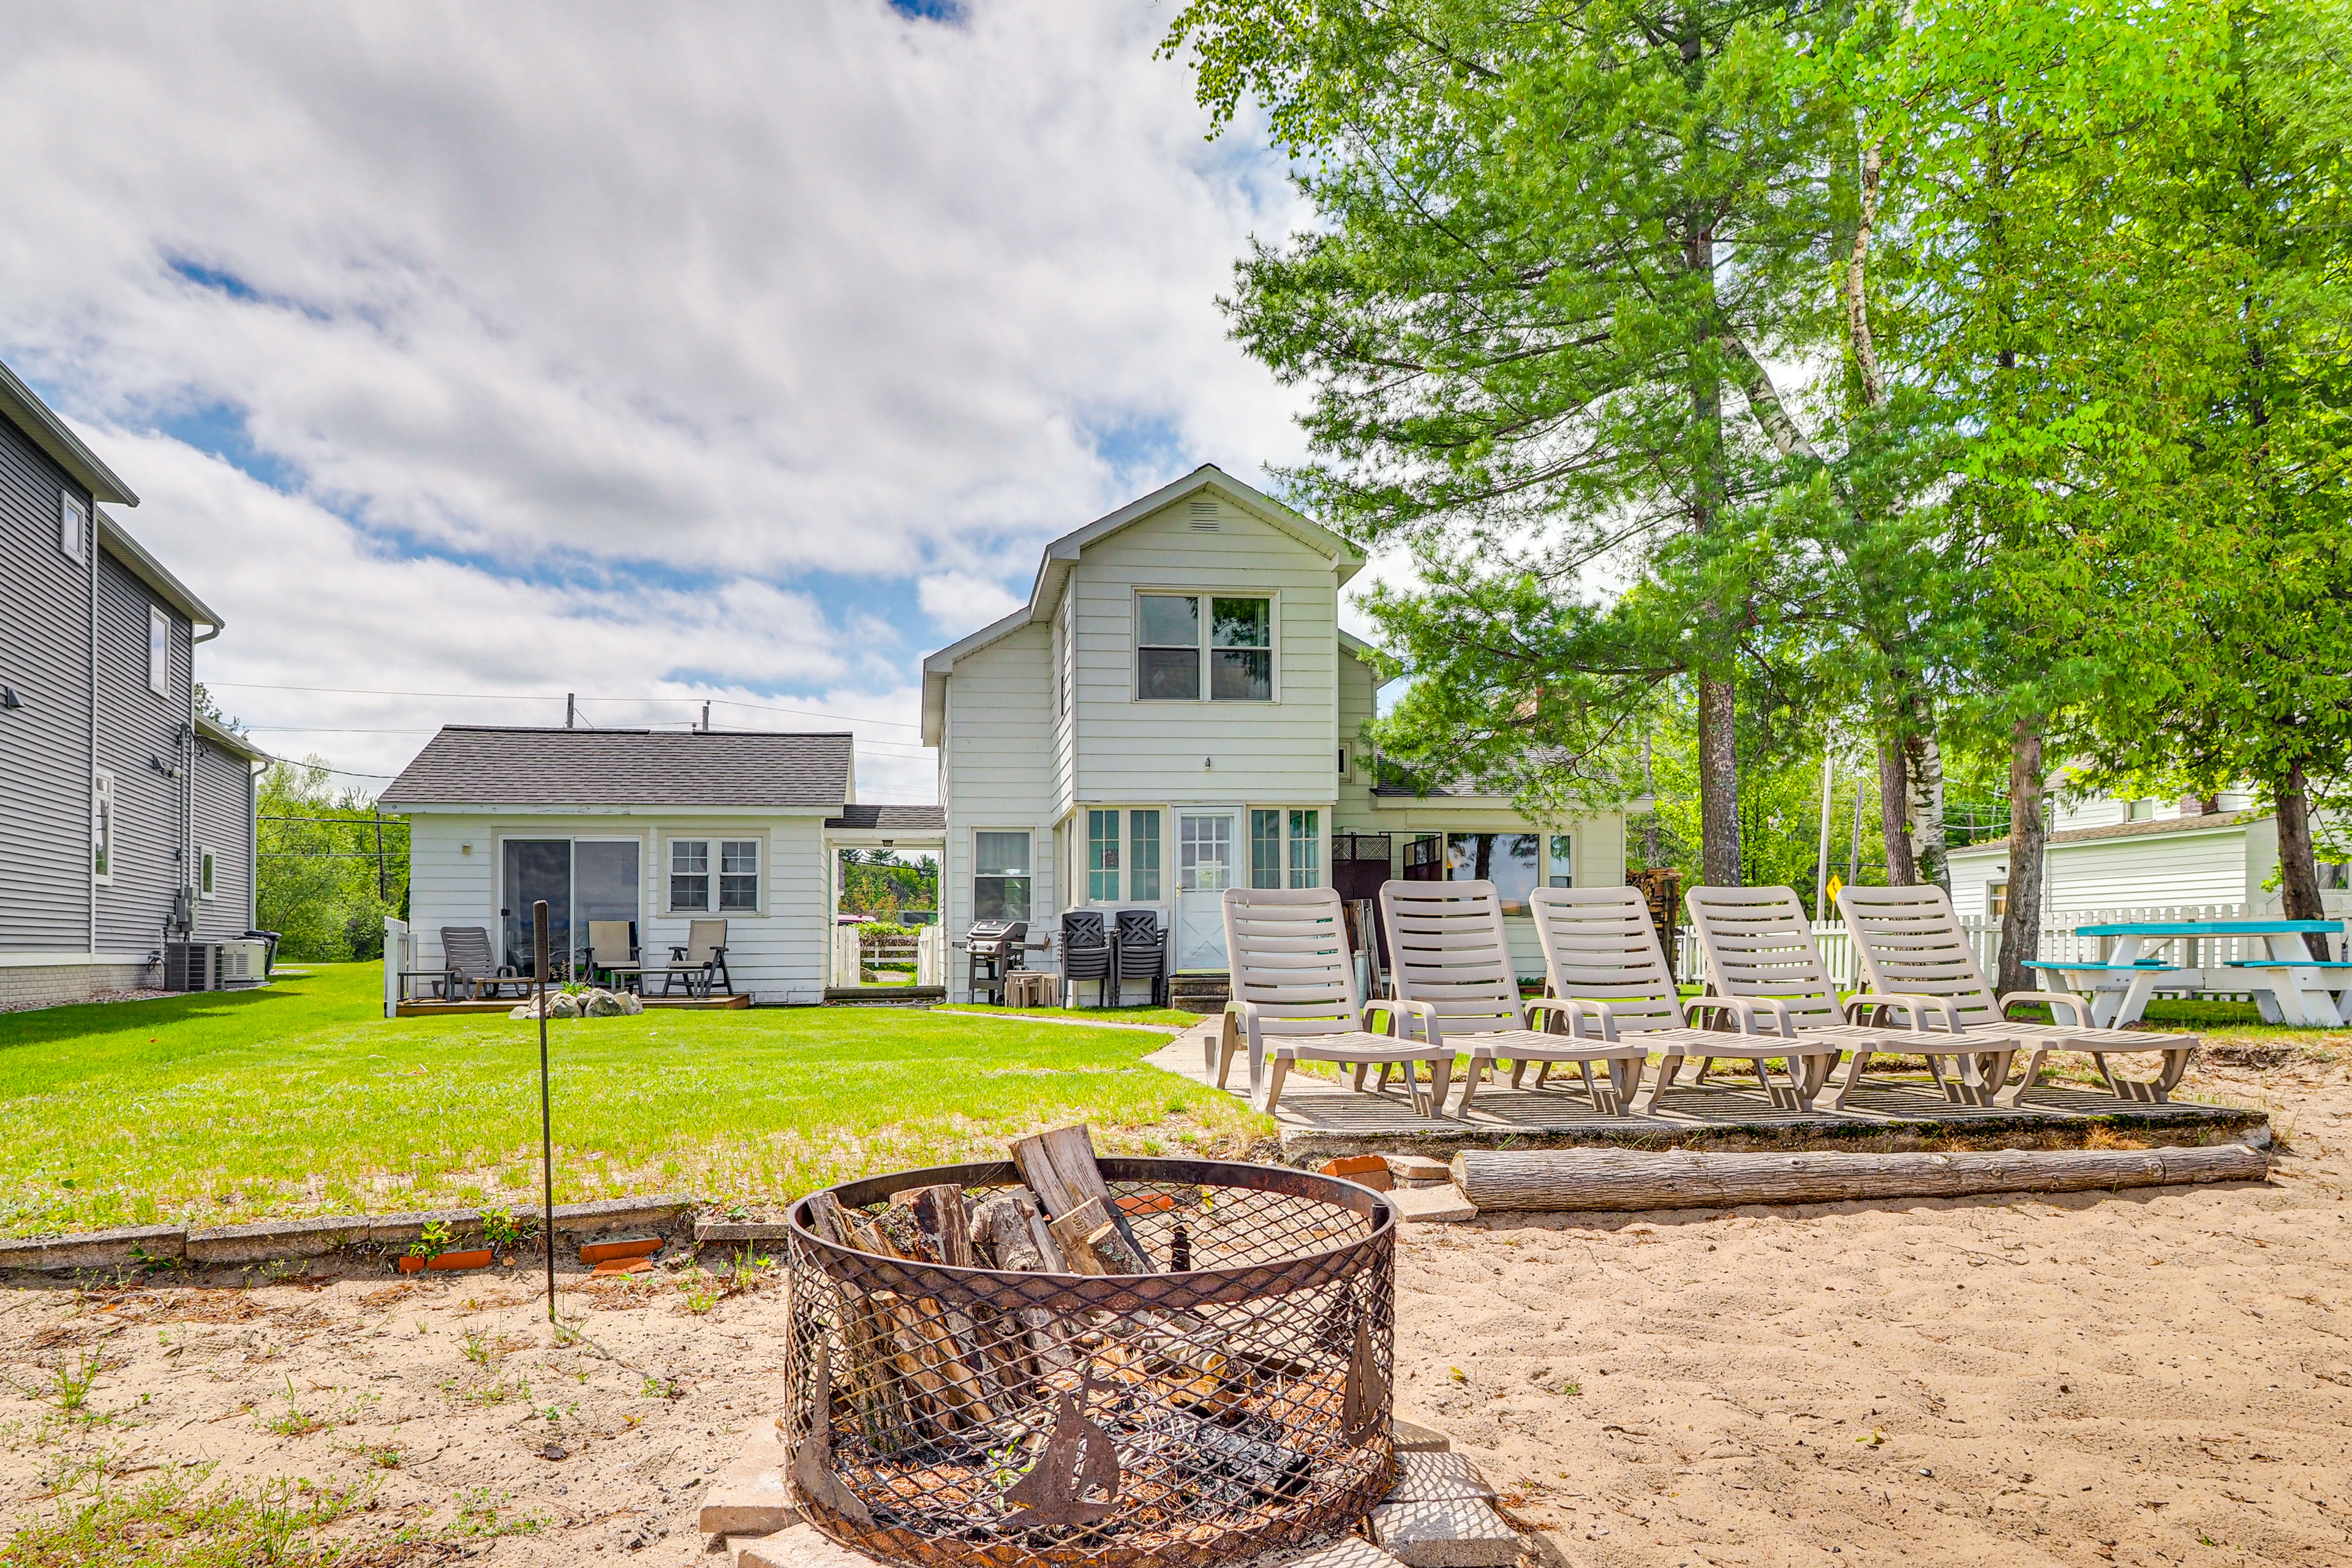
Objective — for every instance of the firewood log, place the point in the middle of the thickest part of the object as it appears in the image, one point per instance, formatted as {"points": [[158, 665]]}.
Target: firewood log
{"points": [[1093, 1242], [1059, 1166]]}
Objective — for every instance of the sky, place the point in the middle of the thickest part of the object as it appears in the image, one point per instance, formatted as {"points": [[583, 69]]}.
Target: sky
{"points": [[467, 356]]}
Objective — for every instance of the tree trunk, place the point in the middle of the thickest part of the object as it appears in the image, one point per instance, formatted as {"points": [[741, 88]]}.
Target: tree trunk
{"points": [[1926, 763], [2298, 866], [1718, 785], [2021, 922], [1894, 811]]}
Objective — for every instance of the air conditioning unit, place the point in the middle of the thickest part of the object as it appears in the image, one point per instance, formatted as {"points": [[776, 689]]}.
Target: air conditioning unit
{"points": [[192, 966]]}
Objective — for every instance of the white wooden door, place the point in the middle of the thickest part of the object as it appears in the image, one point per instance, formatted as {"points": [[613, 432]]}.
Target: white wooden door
{"points": [[1204, 869]]}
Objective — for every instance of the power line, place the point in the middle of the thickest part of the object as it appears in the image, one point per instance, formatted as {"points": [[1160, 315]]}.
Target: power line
{"points": [[543, 697]]}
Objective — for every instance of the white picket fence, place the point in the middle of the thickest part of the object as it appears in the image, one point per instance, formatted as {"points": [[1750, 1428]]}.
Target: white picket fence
{"points": [[399, 953], [2058, 940]]}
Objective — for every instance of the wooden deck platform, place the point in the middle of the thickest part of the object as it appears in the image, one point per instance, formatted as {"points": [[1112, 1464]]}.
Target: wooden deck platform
{"points": [[1322, 1118], [429, 1009]]}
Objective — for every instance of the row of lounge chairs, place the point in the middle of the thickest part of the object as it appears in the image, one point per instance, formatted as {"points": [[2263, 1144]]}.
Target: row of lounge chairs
{"points": [[1611, 1001]]}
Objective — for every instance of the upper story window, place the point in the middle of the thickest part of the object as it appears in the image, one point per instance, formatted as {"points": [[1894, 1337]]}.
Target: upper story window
{"points": [[1000, 876], [159, 651], [1175, 662], [73, 524]]}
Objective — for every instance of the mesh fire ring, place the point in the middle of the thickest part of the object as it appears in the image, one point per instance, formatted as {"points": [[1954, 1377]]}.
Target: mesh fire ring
{"points": [[1235, 1400]]}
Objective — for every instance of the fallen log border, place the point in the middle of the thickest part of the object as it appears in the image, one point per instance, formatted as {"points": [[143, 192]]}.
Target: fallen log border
{"points": [[1562, 1180]]}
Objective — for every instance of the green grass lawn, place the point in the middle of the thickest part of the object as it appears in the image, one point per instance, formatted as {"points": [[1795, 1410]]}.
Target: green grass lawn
{"points": [[1171, 1019], [301, 1099]]}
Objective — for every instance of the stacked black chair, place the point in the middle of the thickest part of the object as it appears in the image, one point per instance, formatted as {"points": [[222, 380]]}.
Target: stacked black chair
{"points": [[1085, 955], [1140, 946], [993, 949]]}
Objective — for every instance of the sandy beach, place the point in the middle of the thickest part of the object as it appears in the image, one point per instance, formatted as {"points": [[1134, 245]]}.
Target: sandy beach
{"points": [[2142, 1377]]}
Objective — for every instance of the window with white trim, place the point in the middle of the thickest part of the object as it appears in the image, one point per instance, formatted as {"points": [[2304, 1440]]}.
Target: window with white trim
{"points": [[1175, 662], [159, 651], [203, 871], [738, 874], [1143, 855], [1102, 857], [102, 826], [689, 873], [1560, 866], [73, 524], [1000, 876]]}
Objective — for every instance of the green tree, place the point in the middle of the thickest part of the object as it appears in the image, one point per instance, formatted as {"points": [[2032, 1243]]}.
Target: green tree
{"points": [[331, 870], [1557, 244]]}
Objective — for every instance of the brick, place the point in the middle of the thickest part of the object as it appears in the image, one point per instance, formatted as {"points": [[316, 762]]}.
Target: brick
{"points": [[800, 1546], [622, 1246], [1437, 1478], [1458, 1532], [1435, 1206], [274, 1239], [1412, 1438], [1369, 1170], [94, 1249], [749, 1497]]}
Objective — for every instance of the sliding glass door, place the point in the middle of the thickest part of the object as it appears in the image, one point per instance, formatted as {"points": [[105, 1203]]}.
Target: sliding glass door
{"points": [[582, 880]]}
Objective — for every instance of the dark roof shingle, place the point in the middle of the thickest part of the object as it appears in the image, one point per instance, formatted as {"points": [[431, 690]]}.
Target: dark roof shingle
{"points": [[2143, 827], [468, 764], [903, 818]]}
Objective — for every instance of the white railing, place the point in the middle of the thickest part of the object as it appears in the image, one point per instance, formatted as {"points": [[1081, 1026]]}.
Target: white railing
{"points": [[930, 955], [399, 953], [848, 965], [2058, 940]]}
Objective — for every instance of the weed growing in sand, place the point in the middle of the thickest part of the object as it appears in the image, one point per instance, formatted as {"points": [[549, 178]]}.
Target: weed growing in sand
{"points": [[702, 1291], [501, 1228], [70, 1381], [294, 1420], [478, 1516], [487, 1394], [478, 1349], [167, 1522], [383, 1455], [433, 1243], [658, 1388]]}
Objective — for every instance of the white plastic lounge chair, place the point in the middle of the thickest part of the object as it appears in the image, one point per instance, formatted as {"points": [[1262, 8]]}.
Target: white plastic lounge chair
{"points": [[1602, 955], [1910, 944], [1447, 947], [1294, 1000], [1760, 947]]}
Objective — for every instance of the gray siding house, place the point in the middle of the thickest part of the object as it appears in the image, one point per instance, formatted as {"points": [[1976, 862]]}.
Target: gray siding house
{"points": [[124, 812]]}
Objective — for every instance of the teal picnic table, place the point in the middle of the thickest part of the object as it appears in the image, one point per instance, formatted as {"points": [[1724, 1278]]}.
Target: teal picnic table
{"points": [[2287, 983]]}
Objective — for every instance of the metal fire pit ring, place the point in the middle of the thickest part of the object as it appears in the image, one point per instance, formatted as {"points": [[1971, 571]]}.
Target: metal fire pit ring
{"points": [[984, 1416]]}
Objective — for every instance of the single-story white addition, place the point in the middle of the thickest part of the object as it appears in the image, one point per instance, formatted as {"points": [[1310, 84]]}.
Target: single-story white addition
{"points": [[1175, 712], [660, 827], [2107, 853]]}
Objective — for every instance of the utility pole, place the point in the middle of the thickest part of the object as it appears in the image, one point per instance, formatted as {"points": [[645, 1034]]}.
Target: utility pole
{"points": [[570, 709], [379, 855], [1822, 860]]}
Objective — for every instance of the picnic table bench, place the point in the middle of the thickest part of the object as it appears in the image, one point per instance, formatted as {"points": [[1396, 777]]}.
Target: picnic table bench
{"points": [[2288, 984]]}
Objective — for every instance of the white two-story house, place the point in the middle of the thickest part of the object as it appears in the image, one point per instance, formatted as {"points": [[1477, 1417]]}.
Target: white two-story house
{"points": [[1176, 712]]}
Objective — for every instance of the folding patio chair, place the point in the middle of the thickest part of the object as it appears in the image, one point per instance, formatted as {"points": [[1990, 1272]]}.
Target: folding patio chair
{"points": [[701, 961], [613, 949], [1760, 947], [1447, 948], [1294, 1000], [1601, 957], [1911, 945], [467, 957]]}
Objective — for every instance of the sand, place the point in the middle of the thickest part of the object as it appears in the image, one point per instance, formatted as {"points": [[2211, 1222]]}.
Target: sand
{"points": [[2151, 1376]]}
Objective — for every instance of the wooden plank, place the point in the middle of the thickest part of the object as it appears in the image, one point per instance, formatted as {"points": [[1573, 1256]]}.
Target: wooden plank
{"points": [[1059, 1166]]}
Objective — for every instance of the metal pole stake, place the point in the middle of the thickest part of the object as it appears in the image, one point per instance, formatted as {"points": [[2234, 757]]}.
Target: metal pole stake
{"points": [[546, 1121]]}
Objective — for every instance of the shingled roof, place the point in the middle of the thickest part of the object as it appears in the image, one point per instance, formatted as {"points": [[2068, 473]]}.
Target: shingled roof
{"points": [[479, 764], [890, 819]]}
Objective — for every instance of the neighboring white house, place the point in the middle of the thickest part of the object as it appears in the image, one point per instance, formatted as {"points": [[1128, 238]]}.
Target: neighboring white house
{"points": [[2108, 853], [661, 827], [1176, 711]]}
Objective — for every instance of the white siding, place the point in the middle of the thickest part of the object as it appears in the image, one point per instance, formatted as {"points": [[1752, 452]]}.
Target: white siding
{"points": [[2190, 867], [776, 956], [997, 768], [1283, 752]]}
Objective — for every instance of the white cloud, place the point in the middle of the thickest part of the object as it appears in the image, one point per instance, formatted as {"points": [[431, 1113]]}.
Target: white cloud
{"points": [[582, 335]]}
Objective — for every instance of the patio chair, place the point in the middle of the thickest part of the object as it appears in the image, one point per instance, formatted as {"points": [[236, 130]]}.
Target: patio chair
{"points": [[1601, 957], [1910, 944], [466, 960], [613, 951], [701, 961], [1758, 947], [1085, 955], [1138, 952], [1294, 1000], [1447, 948]]}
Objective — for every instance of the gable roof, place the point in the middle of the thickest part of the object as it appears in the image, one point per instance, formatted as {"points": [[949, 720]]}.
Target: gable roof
{"points": [[2211, 822], [482, 764], [133, 557], [1054, 564], [23, 407]]}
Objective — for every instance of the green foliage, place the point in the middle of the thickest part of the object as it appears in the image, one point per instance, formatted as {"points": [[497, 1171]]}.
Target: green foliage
{"points": [[433, 1243], [879, 882], [319, 877], [167, 1524]]}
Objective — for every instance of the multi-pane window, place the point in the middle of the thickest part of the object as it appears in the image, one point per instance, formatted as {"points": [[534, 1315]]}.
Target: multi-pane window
{"points": [[159, 651], [102, 826], [1559, 867], [1143, 855], [1000, 876], [1265, 850], [73, 523], [1172, 665], [739, 873], [1306, 850], [1102, 857], [689, 873]]}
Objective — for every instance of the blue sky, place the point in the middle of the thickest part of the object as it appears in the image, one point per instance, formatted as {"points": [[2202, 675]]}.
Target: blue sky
{"points": [[466, 357]]}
